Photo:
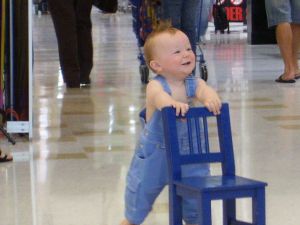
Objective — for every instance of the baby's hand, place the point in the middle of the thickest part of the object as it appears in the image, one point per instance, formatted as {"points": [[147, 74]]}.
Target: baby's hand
{"points": [[180, 108], [213, 103], [209, 98]]}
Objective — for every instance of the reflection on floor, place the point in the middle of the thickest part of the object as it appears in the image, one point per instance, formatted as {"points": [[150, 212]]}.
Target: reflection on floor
{"points": [[73, 171]]}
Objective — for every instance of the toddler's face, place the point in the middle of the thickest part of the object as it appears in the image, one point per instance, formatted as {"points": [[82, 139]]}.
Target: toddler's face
{"points": [[174, 54]]}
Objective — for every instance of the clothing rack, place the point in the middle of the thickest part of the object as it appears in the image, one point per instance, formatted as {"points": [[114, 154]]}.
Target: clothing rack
{"points": [[16, 67]]}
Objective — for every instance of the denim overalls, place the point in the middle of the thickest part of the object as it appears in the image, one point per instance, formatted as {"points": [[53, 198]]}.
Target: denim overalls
{"points": [[148, 173]]}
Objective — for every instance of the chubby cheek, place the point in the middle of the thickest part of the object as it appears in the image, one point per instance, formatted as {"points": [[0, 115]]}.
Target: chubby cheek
{"points": [[193, 60], [193, 57], [175, 60]]}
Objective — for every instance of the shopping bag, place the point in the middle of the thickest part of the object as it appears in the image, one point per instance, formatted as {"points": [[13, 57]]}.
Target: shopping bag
{"points": [[108, 6]]}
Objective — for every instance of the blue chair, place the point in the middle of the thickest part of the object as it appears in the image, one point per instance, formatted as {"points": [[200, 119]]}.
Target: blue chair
{"points": [[226, 187]]}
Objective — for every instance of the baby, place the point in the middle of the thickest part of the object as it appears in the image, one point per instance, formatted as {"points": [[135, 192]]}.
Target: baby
{"points": [[168, 53]]}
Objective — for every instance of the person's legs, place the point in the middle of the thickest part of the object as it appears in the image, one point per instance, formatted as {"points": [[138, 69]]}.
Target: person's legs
{"points": [[63, 16], [295, 8], [284, 36], [180, 12], [190, 9], [296, 48], [84, 34], [288, 40], [172, 11], [280, 13], [203, 16]]}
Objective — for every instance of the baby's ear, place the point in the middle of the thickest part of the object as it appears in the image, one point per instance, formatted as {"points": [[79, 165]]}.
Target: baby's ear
{"points": [[155, 66]]}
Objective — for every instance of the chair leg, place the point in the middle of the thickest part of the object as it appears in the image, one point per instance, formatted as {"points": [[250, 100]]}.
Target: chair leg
{"points": [[175, 207], [205, 215], [229, 211], [259, 208]]}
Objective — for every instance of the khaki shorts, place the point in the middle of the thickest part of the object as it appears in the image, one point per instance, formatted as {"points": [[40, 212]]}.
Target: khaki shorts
{"points": [[280, 11]]}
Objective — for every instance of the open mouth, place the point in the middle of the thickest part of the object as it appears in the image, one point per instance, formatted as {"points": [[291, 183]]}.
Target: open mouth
{"points": [[187, 63]]}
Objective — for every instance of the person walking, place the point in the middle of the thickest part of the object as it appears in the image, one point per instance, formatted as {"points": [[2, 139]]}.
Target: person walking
{"points": [[73, 27], [285, 15]]}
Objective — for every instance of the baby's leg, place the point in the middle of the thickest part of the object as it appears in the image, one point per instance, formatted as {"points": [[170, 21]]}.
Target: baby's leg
{"points": [[126, 222], [145, 180], [191, 211]]}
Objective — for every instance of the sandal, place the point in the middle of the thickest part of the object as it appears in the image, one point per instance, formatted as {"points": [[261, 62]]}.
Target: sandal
{"points": [[5, 157], [297, 76], [281, 80]]}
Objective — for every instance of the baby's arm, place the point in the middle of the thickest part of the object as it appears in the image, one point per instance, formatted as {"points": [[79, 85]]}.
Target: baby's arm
{"points": [[208, 97], [157, 98]]}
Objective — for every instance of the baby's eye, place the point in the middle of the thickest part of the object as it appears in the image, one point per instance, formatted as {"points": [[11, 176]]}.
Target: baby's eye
{"points": [[189, 49], [177, 52]]}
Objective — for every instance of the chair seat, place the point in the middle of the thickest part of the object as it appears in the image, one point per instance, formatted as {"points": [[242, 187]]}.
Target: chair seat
{"points": [[217, 183]]}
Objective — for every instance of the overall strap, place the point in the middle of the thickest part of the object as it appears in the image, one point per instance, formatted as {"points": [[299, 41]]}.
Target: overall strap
{"points": [[164, 83], [166, 88], [191, 85]]}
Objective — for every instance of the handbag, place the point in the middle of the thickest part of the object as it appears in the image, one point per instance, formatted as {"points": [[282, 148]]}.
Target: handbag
{"points": [[108, 6]]}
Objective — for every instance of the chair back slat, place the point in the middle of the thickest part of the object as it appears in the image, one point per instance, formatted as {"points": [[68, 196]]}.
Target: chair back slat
{"points": [[198, 131], [201, 146], [202, 158], [191, 145], [206, 134]]}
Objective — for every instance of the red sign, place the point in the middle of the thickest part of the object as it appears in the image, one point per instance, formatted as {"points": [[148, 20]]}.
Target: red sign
{"points": [[235, 9], [234, 14]]}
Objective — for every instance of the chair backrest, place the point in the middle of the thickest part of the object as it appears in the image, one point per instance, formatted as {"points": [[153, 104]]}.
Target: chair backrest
{"points": [[196, 126]]}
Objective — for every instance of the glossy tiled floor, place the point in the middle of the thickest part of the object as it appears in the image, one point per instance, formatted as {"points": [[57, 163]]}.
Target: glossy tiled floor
{"points": [[73, 171]]}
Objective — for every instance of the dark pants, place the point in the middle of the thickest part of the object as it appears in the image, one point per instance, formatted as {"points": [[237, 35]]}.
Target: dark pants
{"points": [[73, 27]]}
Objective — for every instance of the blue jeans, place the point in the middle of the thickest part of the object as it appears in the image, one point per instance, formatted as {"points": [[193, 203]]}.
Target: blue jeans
{"points": [[183, 14], [203, 16], [279, 11]]}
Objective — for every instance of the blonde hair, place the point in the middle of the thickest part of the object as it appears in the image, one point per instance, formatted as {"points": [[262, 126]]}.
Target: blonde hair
{"points": [[163, 27]]}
